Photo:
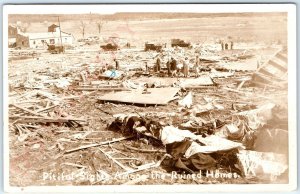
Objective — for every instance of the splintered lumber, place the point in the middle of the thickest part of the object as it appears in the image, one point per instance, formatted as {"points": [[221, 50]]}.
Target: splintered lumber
{"points": [[144, 150], [49, 95], [47, 108], [145, 166], [74, 165], [115, 161], [237, 91], [35, 119], [98, 144], [140, 168], [27, 110], [83, 77], [241, 84]]}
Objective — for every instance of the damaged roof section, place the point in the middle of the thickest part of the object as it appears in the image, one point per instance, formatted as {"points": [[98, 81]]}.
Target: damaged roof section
{"points": [[151, 96], [274, 72]]}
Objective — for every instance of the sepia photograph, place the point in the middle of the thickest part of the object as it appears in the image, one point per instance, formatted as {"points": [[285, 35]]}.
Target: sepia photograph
{"points": [[152, 95]]}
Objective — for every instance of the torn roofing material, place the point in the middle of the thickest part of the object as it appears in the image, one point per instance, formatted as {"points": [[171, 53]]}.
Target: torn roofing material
{"points": [[274, 71], [188, 151], [152, 96]]}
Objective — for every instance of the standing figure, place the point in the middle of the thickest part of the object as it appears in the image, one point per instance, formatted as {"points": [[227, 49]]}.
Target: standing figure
{"points": [[158, 64], [173, 67], [197, 66], [146, 66], [231, 45], [117, 64], [186, 67], [169, 67], [226, 46], [222, 45]]}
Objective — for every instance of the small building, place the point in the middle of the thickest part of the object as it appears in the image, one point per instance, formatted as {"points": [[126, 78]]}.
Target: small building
{"points": [[53, 28], [50, 38], [40, 40], [12, 34]]}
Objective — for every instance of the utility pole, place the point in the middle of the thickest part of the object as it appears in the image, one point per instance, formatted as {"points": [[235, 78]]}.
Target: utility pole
{"points": [[59, 31]]}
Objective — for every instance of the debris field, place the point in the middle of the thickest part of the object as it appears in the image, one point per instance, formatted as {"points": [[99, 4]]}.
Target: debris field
{"points": [[74, 121]]}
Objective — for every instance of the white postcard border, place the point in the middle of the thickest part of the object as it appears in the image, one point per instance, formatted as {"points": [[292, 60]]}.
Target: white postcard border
{"points": [[207, 8]]}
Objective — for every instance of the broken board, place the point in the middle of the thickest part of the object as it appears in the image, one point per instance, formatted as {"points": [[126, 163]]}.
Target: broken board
{"points": [[153, 96], [203, 80]]}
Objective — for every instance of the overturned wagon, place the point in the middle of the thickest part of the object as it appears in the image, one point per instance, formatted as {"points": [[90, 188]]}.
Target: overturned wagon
{"points": [[181, 43], [54, 49], [153, 47], [109, 47]]}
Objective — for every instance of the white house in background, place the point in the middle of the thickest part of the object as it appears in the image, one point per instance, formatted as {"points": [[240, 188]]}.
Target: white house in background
{"points": [[38, 40]]}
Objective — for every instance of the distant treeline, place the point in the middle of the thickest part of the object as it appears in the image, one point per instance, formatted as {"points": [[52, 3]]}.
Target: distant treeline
{"points": [[13, 18]]}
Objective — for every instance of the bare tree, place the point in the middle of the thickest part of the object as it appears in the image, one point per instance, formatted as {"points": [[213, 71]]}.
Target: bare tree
{"points": [[23, 27], [82, 28], [99, 25]]}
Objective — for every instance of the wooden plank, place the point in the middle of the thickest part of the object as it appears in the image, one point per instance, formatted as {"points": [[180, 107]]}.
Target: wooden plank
{"points": [[49, 95], [27, 110], [35, 119], [153, 96], [97, 144], [278, 65], [144, 150], [145, 166], [115, 161], [198, 87], [47, 108], [282, 56], [100, 89], [204, 80]]}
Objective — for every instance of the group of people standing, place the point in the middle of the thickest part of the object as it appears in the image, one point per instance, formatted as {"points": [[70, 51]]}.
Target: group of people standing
{"points": [[172, 66], [227, 45]]}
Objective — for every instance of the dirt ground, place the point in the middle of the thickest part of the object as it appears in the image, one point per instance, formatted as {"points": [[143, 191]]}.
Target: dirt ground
{"points": [[43, 151]]}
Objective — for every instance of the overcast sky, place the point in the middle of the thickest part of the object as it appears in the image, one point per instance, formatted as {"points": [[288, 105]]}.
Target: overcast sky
{"points": [[110, 9]]}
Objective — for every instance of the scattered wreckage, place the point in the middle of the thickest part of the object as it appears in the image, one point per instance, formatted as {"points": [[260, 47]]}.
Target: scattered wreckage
{"points": [[135, 121]]}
